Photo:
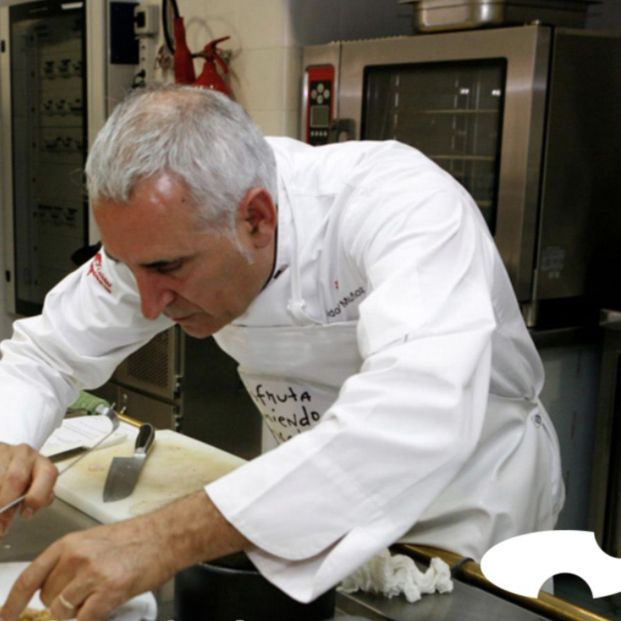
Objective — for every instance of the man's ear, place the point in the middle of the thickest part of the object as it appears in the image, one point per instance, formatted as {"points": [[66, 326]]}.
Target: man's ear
{"points": [[257, 217]]}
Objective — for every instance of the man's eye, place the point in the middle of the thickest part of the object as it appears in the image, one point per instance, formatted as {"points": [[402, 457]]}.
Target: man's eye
{"points": [[167, 268]]}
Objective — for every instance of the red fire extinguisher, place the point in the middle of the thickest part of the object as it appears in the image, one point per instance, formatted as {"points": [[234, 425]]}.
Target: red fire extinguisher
{"points": [[183, 63], [210, 76]]}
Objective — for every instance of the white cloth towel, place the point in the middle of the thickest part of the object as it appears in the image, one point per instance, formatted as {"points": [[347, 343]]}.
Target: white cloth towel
{"points": [[392, 575]]}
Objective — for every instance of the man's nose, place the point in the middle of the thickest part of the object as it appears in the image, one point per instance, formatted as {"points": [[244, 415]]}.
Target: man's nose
{"points": [[154, 295]]}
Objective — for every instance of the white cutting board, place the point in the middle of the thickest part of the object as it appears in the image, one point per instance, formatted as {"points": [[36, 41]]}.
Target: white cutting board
{"points": [[177, 466]]}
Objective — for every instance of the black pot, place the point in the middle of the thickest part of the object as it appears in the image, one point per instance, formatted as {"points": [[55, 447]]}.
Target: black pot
{"points": [[232, 589]]}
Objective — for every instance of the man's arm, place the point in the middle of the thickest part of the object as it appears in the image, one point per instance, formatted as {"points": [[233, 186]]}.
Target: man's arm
{"points": [[99, 569], [84, 332]]}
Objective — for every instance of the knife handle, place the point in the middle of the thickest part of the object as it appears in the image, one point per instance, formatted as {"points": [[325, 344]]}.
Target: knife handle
{"points": [[144, 439]]}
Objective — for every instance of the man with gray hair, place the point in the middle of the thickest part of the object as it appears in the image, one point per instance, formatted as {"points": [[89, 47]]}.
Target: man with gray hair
{"points": [[374, 325]]}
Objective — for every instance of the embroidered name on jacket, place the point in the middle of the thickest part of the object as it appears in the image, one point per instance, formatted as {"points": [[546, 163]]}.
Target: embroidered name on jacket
{"points": [[346, 301], [96, 271]]}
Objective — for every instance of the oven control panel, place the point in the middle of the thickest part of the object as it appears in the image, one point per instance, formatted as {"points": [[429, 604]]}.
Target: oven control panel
{"points": [[319, 102]]}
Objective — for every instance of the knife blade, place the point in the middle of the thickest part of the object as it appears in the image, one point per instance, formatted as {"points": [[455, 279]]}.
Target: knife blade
{"points": [[62, 455], [125, 471]]}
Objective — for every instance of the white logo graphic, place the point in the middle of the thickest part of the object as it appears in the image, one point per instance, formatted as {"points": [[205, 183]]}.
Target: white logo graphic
{"points": [[522, 564]]}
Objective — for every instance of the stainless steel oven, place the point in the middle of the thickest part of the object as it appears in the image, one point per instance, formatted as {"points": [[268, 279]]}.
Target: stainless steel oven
{"points": [[526, 118]]}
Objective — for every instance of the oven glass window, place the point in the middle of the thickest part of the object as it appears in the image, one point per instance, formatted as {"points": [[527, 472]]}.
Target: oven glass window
{"points": [[452, 112]]}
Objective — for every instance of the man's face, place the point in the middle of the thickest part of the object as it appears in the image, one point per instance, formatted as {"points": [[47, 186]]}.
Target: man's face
{"points": [[197, 277]]}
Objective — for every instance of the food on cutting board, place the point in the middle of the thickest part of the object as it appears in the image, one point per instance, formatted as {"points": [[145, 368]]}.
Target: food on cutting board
{"points": [[32, 614]]}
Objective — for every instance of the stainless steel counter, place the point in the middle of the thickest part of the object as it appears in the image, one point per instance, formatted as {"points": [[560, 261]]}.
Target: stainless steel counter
{"points": [[26, 539], [465, 603]]}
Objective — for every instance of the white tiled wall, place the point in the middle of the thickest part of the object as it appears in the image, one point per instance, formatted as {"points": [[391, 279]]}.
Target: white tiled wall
{"points": [[265, 62]]}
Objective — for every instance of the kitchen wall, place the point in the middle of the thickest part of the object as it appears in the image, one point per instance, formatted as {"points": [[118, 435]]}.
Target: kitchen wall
{"points": [[265, 60]]}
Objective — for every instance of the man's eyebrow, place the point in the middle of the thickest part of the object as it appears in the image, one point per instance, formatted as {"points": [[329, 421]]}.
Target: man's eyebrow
{"points": [[151, 264], [164, 263], [160, 263]]}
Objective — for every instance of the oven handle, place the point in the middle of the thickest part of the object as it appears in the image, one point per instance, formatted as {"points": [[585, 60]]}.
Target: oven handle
{"points": [[342, 130]]}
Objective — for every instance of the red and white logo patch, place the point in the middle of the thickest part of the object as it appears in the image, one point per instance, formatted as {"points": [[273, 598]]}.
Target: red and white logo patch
{"points": [[96, 271]]}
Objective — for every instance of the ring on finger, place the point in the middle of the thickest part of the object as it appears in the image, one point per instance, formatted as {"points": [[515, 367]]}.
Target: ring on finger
{"points": [[65, 603]]}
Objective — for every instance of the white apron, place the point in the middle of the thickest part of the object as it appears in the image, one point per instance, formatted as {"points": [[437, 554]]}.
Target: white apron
{"points": [[512, 482]]}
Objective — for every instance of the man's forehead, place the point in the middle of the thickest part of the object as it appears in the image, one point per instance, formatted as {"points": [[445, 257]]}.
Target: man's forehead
{"points": [[147, 217], [144, 239], [160, 192]]}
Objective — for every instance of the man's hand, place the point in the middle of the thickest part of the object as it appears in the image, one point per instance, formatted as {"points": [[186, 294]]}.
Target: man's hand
{"points": [[90, 573], [24, 471]]}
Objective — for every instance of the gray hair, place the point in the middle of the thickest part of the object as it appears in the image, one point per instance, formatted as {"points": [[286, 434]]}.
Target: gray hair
{"points": [[202, 137]]}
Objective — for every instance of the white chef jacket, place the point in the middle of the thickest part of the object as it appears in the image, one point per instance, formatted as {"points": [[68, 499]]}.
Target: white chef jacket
{"points": [[410, 259]]}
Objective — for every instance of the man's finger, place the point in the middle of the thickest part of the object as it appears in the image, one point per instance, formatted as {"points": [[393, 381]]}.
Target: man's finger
{"points": [[66, 578], [65, 606], [6, 518], [27, 584], [16, 468], [96, 608], [17, 473], [44, 476]]}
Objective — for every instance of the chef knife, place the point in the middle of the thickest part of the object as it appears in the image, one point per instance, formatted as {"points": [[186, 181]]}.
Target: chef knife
{"points": [[124, 471]]}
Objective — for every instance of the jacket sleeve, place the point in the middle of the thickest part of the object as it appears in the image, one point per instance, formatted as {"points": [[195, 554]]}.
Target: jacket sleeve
{"points": [[90, 322], [324, 502]]}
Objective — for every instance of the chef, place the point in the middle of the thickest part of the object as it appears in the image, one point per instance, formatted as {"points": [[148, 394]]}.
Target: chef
{"points": [[375, 329]]}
